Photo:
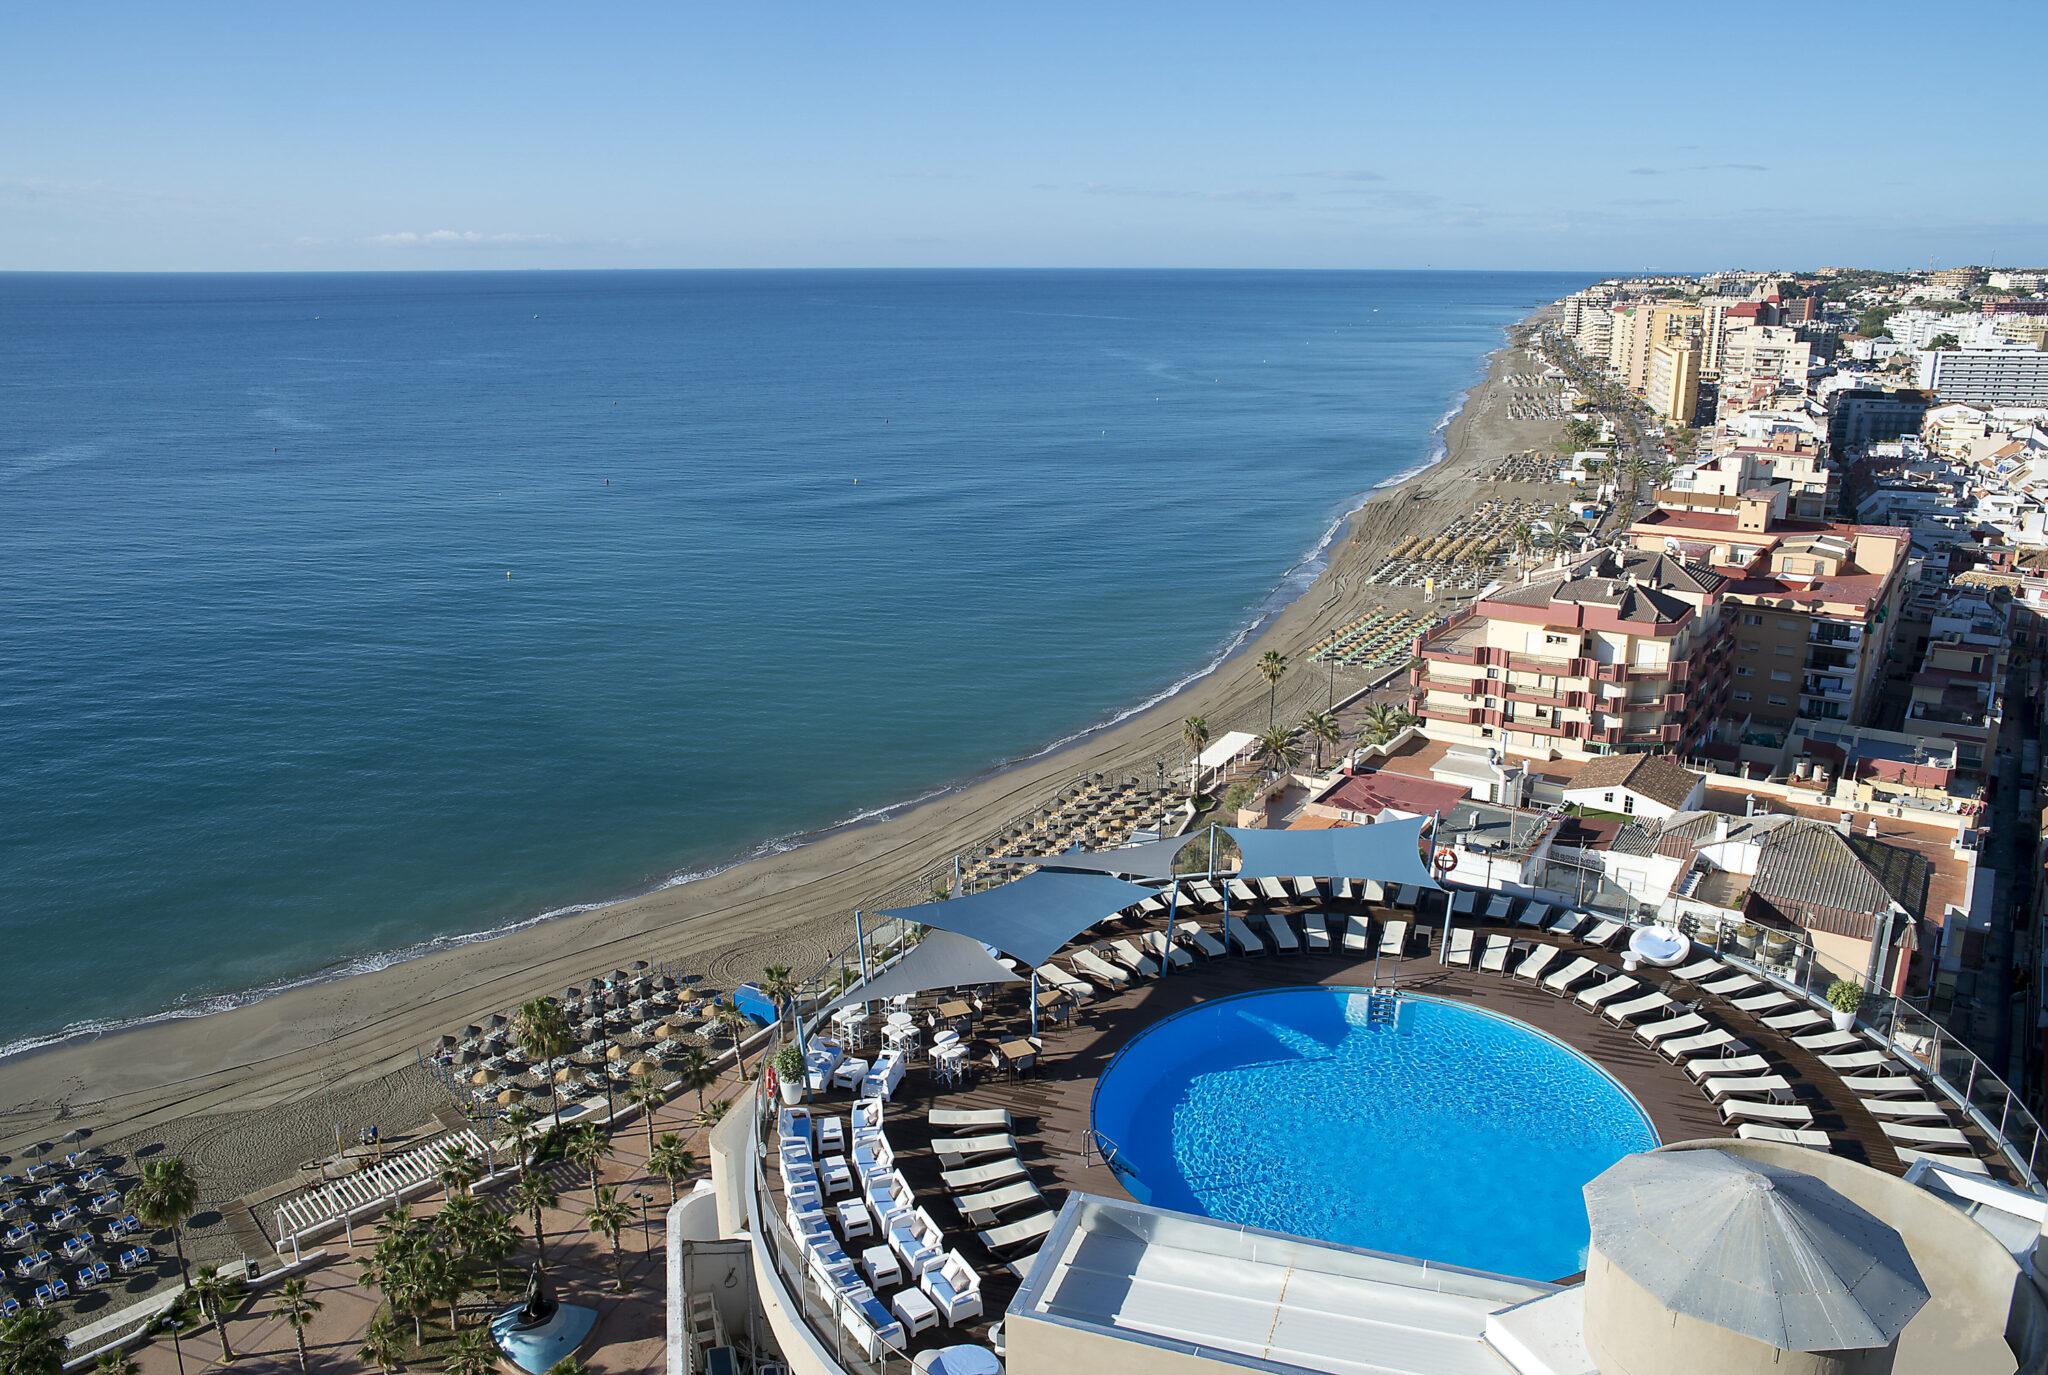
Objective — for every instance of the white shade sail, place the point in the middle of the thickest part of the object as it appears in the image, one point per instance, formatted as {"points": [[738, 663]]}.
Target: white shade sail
{"points": [[1390, 852]]}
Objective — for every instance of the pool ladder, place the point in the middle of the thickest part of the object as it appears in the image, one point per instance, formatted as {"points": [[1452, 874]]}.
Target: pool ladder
{"points": [[1106, 1151], [1382, 1006]]}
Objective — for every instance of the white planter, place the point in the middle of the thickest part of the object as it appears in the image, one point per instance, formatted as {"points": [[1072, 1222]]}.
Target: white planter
{"points": [[792, 1092], [1844, 1021]]}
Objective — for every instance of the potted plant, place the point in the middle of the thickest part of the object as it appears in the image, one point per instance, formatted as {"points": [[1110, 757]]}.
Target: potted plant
{"points": [[789, 1074], [1846, 998]]}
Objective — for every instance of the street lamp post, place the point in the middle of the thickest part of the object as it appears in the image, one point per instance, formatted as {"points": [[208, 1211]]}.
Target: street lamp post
{"points": [[643, 1198]]}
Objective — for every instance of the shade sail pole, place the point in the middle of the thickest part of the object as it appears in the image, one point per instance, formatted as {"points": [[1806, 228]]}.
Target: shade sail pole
{"points": [[860, 943]]}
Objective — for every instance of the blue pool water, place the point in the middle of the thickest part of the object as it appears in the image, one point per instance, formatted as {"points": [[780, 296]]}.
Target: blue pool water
{"points": [[1450, 1134]]}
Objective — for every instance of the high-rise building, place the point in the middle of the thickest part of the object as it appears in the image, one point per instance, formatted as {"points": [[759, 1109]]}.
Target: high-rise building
{"points": [[1759, 363], [1673, 385], [2012, 374], [1866, 415]]}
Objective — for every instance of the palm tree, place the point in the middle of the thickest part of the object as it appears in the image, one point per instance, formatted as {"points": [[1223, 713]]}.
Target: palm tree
{"points": [[297, 1308], [1194, 733], [733, 1022], [694, 1070], [381, 1345], [216, 1294], [589, 1147], [519, 1122], [475, 1354], [167, 1196], [669, 1160], [1383, 721], [1524, 539], [531, 1195], [29, 1344], [1321, 727], [646, 1095], [174, 1322], [1272, 667], [781, 987], [1279, 751], [609, 1215], [109, 1363], [569, 1365], [459, 1170], [541, 1030], [495, 1241]]}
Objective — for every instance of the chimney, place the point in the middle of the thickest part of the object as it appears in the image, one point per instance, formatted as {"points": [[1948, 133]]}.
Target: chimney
{"points": [[1720, 828]]}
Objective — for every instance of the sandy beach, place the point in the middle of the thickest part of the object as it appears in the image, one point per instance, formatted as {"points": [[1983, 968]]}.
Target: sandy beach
{"points": [[249, 1093]]}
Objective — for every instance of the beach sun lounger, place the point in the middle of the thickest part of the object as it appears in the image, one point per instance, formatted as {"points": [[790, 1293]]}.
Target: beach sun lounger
{"points": [[1650, 1033], [1559, 980], [1202, 940], [1968, 1164], [1307, 889], [1497, 908], [1567, 923], [1638, 1008], [1708, 1043], [1464, 902], [1536, 961], [983, 1176], [1494, 959], [1012, 1235], [1393, 939], [1707, 1066], [1535, 914], [982, 1209], [1099, 969], [1826, 1041], [1370, 890], [1882, 1085], [1405, 895], [1925, 1136], [1066, 983], [1731, 985], [1162, 949], [1206, 894], [1778, 1114], [1697, 970], [1282, 932], [969, 1117], [1273, 890], [1600, 994], [1802, 1020], [1757, 1004], [1130, 957], [1358, 934], [1846, 1061], [1915, 1109], [1242, 936], [1785, 1136], [1460, 952], [1603, 933], [1241, 891], [955, 1151], [1745, 1086]]}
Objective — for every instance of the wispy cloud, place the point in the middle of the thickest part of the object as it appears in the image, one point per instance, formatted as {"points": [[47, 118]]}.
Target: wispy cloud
{"points": [[1342, 174], [1646, 171], [1701, 167], [462, 238], [1236, 196]]}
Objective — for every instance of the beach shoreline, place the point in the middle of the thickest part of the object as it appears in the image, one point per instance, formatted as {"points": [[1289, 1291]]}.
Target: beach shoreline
{"points": [[271, 1070]]}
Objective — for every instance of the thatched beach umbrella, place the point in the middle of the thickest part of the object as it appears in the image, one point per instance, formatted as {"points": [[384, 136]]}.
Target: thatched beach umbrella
{"points": [[568, 1074], [572, 992], [484, 1076], [472, 1032], [646, 1067], [448, 1042], [469, 1056], [510, 1095], [617, 976], [638, 966], [498, 1021]]}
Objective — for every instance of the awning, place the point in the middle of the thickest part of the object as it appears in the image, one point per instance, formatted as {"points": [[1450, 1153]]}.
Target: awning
{"points": [[1030, 917], [1390, 852], [940, 960], [1226, 749], [1151, 859]]}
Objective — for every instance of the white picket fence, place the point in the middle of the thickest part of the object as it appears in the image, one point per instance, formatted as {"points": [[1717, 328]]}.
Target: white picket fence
{"points": [[372, 1189]]}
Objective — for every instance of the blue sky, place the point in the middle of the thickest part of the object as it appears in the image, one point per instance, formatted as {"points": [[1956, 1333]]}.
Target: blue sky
{"points": [[1361, 135]]}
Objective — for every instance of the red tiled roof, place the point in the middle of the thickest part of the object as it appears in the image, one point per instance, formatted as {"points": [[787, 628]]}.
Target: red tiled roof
{"points": [[1374, 790]]}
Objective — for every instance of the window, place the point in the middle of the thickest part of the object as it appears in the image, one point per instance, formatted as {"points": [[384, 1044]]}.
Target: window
{"points": [[1787, 623], [1750, 646], [1607, 797], [1784, 651], [1751, 618], [1557, 639], [1775, 701], [1744, 671], [1740, 695], [1628, 803], [1779, 675]]}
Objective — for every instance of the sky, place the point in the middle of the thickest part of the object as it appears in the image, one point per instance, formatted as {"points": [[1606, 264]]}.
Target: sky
{"points": [[1481, 135]]}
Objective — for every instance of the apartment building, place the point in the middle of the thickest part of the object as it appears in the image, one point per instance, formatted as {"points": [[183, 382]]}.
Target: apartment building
{"points": [[1758, 362], [1614, 652], [1958, 688], [1863, 416], [2004, 375], [1673, 385], [1639, 329]]}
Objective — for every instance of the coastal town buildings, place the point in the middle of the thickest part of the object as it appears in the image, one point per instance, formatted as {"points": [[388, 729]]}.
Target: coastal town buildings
{"points": [[1673, 384]]}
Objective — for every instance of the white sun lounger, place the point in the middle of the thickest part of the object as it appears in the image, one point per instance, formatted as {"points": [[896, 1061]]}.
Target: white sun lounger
{"points": [[1464, 902], [1603, 933], [982, 1176], [1568, 922], [1012, 1235], [1914, 1109], [1306, 888], [1745, 1086], [1802, 1020], [1242, 936], [1535, 914], [1731, 985], [1757, 1004], [1497, 908], [1656, 1000], [1617, 986], [1282, 932], [1132, 958], [1882, 1085], [1095, 967], [1315, 931], [1495, 958], [1697, 970], [1206, 894], [955, 1151], [1925, 1136], [1650, 1033], [1242, 891], [1460, 952], [1371, 890], [1968, 1164], [1824, 1041], [1273, 890], [1193, 933], [1160, 948], [1536, 961], [1683, 1049], [1393, 938], [1785, 1136], [1358, 933], [1856, 1059], [1560, 980], [1779, 1114], [982, 1209], [1406, 895], [1707, 1066], [1065, 982], [969, 1117]]}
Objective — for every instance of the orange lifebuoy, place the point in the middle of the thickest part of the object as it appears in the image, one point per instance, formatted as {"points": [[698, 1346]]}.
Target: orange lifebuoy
{"points": [[1446, 858], [768, 1083]]}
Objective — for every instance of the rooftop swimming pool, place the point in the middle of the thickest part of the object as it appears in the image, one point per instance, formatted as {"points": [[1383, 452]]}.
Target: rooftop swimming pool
{"points": [[1446, 1133]]}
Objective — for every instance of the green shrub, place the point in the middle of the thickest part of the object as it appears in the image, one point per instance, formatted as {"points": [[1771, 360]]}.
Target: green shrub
{"points": [[1845, 995]]}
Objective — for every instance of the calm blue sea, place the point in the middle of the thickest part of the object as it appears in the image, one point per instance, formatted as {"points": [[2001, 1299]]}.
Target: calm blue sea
{"points": [[348, 612]]}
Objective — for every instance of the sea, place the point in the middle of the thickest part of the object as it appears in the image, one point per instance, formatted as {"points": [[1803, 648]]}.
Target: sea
{"points": [[348, 614]]}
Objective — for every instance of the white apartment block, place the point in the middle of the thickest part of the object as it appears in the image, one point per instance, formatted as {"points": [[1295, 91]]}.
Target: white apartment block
{"points": [[2005, 375]]}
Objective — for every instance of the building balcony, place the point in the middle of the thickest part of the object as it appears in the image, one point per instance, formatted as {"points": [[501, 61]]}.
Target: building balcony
{"points": [[1464, 716], [1833, 633], [1829, 689]]}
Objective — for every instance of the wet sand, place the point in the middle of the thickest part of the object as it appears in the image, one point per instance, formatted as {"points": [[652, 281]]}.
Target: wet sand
{"points": [[249, 1093]]}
